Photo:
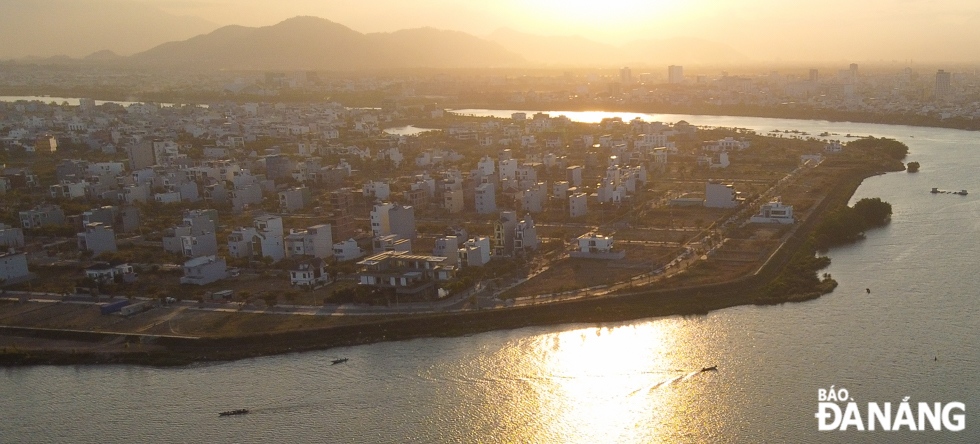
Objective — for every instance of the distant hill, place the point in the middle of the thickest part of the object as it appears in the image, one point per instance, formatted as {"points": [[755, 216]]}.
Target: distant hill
{"points": [[76, 28], [316, 43], [580, 51], [103, 56]]}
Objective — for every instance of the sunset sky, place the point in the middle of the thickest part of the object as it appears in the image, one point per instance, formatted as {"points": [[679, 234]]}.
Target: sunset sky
{"points": [[762, 29]]}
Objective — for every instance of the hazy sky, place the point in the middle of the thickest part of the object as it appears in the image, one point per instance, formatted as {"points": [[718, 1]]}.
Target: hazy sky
{"points": [[762, 29]]}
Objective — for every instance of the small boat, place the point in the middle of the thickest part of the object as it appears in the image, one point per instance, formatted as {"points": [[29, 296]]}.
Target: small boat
{"points": [[709, 369], [234, 412], [961, 193], [935, 191], [339, 361]]}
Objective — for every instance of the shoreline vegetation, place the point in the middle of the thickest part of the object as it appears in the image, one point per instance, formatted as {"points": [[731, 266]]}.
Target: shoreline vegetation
{"points": [[789, 275]]}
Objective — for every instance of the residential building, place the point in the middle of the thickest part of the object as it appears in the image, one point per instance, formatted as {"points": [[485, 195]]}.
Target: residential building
{"points": [[573, 175], [474, 252], [391, 242], [774, 212], [315, 241], [42, 215], [485, 199], [503, 234], [525, 235], [278, 166], [46, 144], [377, 190], [123, 219], [595, 246], [341, 217], [347, 250], [141, 155], [294, 199], [195, 236], [13, 267], [103, 272], [447, 247], [485, 166], [578, 204], [310, 273], [453, 200], [534, 198], [508, 169], [410, 276], [719, 195], [11, 237], [204, 270], [264, 239], [97, 238]]}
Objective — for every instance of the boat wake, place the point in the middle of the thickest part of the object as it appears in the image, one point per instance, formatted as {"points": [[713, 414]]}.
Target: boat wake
{"points": [[666, 382]]}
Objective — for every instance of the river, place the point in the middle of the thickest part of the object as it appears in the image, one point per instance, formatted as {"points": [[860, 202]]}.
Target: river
{"points": [[915, 335]]}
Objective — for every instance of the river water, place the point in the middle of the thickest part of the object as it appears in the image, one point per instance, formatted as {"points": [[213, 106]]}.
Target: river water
{"points": [[915, 335]]}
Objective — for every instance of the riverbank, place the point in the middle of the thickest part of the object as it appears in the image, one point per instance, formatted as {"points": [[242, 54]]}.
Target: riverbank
{"points": [[53, 347], [789, 111], [783, 111]]}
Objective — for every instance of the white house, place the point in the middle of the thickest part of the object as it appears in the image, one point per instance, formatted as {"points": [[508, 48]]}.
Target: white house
{"points": [[103, 272], [265, 239], [474, 252], [310, 273], [595, 246], [204, 270], [774, 212], [347, 250]]}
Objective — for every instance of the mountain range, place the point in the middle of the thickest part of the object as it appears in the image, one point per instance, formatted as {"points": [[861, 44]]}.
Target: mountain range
{"points": [[311, 43], [316, 43]]}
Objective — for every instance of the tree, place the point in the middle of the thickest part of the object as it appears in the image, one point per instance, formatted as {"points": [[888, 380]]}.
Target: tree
{"points": [[873, 211]]}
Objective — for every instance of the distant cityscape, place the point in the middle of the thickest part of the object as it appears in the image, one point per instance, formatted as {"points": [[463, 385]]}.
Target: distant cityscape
{"points": [[936, 96]]}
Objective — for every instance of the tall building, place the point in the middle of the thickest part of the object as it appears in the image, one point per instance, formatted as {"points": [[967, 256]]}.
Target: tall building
{"points": [[141, 155], [625, 75], [814, 75], [942, 84], [854, 71], [278, 166], [675, 74], [341, 217]]}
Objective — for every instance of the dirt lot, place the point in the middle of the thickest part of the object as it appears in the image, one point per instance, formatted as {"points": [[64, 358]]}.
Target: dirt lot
{"points": [[180, 320], [574, 273]]}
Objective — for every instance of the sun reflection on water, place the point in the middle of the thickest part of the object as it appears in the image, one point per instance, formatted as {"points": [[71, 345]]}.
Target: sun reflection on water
{"points": [[628, 383]]}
